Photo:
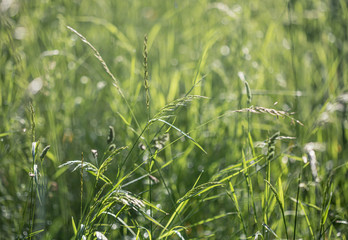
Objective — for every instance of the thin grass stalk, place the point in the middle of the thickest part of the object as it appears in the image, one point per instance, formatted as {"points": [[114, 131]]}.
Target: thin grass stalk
{"points": [[32, 200], [269, 157], [325, 207], [32, 115], [321, 214], [281, 205], [167, 189], [179, 209], [150, 192], [147, 99], [134, 145], [266, 195], [233, 197], [164, 183], [307, 220], [32, 207], [246, 173], [292, 51], [297, 203], [101, 60], [255, 110], [116, 216], [81, 183], [158, 169], [249, 186], [194, 209]]}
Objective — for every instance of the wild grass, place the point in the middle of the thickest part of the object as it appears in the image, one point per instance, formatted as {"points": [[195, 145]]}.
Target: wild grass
{"points": [[173, 120]]}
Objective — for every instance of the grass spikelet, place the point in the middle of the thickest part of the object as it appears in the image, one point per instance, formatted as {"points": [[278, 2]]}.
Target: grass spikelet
{"points": [[44, 152], [146, 74], [273, 112], [132, 201], [247, 87], [101, 60], [128, 199], [271, 146], [112, 147], [107, 161], [99, 57], [89, 167], [246, 84], [172, 106], [111, 135]]}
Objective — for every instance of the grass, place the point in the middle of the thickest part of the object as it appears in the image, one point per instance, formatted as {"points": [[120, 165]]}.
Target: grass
{"points": [[173, 120]]}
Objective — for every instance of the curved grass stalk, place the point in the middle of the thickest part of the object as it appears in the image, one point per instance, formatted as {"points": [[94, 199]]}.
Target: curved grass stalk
{"points": [[101, 60]]}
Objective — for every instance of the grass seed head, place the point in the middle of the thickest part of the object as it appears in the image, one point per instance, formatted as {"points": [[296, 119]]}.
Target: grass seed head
{"points": [[44, 152], [111, 136]]}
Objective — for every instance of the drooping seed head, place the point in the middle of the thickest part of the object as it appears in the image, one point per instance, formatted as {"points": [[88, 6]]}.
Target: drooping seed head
{"points": [[111, 135]]}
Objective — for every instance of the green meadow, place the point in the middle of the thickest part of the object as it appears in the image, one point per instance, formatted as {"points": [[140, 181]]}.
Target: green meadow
{"points": [[173, 119]]}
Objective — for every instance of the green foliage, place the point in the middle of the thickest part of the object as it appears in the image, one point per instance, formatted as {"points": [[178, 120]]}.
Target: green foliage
{"points": [[195, 119]]}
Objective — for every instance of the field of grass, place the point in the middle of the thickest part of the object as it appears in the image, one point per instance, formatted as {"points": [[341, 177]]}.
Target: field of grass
{"points": [[173, 119]]}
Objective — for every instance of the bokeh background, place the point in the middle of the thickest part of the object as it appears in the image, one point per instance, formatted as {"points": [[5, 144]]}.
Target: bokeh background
{"points": [[293, 55]]}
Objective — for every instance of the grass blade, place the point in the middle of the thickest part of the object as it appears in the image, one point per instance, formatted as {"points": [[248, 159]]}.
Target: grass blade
{"points": [[281, 205], [249, 186], [235, 200], [73, 225]]}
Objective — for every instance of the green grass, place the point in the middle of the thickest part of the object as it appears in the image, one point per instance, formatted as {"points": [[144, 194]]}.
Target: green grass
{"points": [[173, 119]]}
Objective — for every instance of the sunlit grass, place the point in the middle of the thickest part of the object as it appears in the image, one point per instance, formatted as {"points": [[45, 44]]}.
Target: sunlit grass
{"points": [[227, 121]]}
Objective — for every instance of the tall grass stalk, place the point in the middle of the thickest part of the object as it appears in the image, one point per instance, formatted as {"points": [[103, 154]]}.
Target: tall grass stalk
{"points": [[81, 183], [146, 77], [297, 203], [101, 60], [32, 203]]}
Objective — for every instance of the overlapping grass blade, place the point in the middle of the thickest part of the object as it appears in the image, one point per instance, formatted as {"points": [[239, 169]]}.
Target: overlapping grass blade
{"points": [[198, 190], [235, 201], [280, 200]]}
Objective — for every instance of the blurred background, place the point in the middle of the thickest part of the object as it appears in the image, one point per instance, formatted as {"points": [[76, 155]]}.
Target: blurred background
{"points": [[292, 55]]}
